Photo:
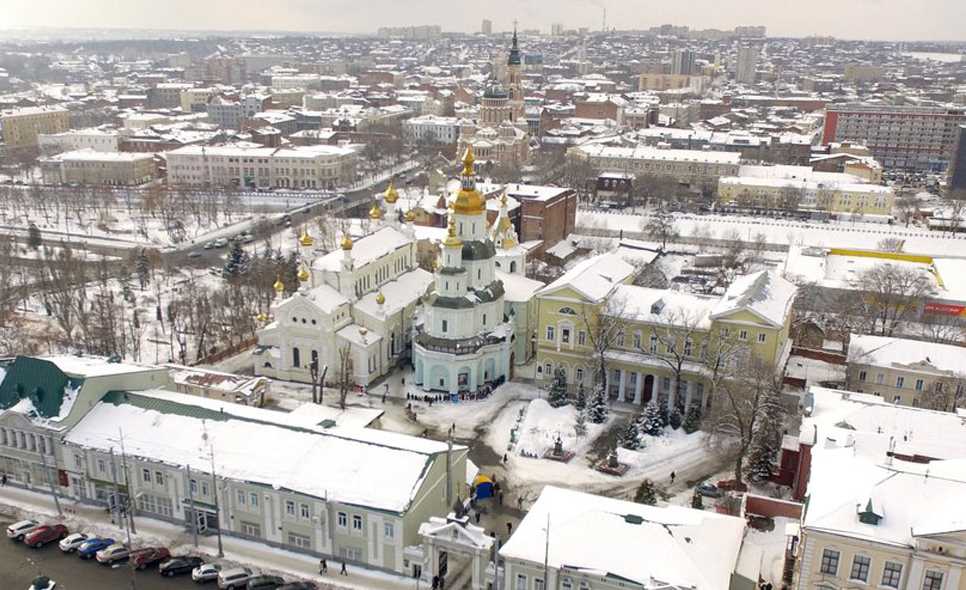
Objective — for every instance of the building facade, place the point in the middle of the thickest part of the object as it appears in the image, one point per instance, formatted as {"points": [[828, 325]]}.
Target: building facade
{"points": [[432, 129], [20, 127], [685, 165], [100, 168]]}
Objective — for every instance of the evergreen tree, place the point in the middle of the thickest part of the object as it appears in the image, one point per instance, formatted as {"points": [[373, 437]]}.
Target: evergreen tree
{"points": [[692, 419], [646, 493], [237, 263], [631, 438], [290, 272], [124, 277], [663, 414], [697, 501], [675, 419], [581, 402], [766, 439], [557, 396], [598, 406], [34, 239], [142, 266], [651, 421], [580, 424]]}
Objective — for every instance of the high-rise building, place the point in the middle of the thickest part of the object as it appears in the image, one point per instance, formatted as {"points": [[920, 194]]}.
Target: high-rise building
{"points": [[899, 136], [683, 62], [487, 27], [957, 167], [556, 29], [747, 62]]}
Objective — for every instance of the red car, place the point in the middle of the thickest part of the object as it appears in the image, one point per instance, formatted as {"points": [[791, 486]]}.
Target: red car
{"points": [[44, 534], [148, 556]]}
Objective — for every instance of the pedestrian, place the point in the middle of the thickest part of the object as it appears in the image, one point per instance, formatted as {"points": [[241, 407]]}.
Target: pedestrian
{"points": [[435, 582], [342, 572], [501, 498], [504, 457], [385, 392], [3, 480], [323, 567], [672, 477], [477, 517], [509, 529]]}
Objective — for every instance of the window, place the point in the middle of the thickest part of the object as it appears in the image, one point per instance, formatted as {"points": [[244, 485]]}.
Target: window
{"points": [[860, 568], [538, 584], [146, 475], [253, 499], [743, 335], [521, 582], [304, 511], [241, 497], [290, 507], [933, 580], [830, 562], [862, 376], [565, 335], [299, 541], [389, 530], [79, 461], [193, 486], [762, 337], [159, 478], [343, 519], [891, 574], [296, 361], [550, 334], [880, 378], [581, 338], [919, 384], [687, 347], [566, 584], [547, 371], [204, 488], [356, 522], [900, 381], [653, 344], [580, 375], [445, 326], [251, 529]]}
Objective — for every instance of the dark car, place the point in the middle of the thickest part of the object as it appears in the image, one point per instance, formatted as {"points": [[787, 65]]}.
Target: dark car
{"points": [[298, 586], [179, 565], [148, 556], [42, 535], [90, 547], [708, 489], [265, 582]]}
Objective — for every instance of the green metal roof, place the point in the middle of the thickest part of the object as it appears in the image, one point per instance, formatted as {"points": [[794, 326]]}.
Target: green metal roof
{"points": [[38, 380]]}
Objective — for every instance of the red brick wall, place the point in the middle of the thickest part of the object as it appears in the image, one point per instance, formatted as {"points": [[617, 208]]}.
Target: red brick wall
{"points": [[771, 507], [596, 110]]}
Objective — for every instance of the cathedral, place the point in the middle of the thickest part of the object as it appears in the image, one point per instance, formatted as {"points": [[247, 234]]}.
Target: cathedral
{"points": [[464, 337], [500, 133]]}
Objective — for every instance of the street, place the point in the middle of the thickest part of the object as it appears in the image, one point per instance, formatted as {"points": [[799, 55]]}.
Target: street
{"points": [[19, 565]]}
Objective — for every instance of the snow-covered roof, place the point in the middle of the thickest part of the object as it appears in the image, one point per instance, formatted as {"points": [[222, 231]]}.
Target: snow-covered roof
{"points": [[365, 250], [376, 469], [663, 306], [210, 379], [535, 192], [685, 548], [94, 366], [594, 277], [642, 152], [403, 291], [885, 351], [518, 288], [765, 293]]}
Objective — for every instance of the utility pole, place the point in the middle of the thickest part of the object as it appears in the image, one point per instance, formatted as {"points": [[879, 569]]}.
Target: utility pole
{"points": [[546, 555], [117, 492], [50, 482], [191, 503], [449, 483], [214, 488], [127, 483]]}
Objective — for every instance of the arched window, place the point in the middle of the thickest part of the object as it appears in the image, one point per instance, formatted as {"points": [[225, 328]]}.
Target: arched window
{"points": [[296, 360], [513, 266], [567, 311]]}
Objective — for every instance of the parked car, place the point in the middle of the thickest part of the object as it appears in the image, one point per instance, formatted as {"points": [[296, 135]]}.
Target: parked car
{"points": [[265, 582], [42, 583], [148, 556], [708, 489], [207, 572], [44, 534], [194, 254], [234, 578], [113, 553], [298, 586], [71, 542], [18, 530], [89, 548], [182, 564], [220, 243], [208, 245]]}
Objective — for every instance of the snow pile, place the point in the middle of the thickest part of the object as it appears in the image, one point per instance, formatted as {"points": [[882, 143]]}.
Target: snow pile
{"points": [[665, 450], [543, 424]]}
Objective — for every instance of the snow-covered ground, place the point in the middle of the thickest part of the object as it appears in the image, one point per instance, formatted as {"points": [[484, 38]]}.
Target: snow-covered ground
{"points": [[772, 546]]}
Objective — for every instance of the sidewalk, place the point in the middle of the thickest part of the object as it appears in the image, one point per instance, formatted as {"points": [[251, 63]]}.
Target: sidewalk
{"points": [[25, 503]]}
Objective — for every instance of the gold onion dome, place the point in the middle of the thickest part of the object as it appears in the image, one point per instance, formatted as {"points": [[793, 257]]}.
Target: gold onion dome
{"points": [[375, 213], [469, 201], [391, 195], [346, 242], [380, 298], [279, 286], [262, 317], [410, 216], [451, 240], [304, 274], [305, 239]]}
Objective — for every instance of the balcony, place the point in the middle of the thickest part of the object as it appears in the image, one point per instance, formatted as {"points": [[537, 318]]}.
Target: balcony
{"points": [[463, 345]]}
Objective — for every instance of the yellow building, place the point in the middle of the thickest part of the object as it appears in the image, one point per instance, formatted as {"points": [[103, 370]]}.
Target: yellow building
{"points": [[650, 338], [100, 168], [20, 127]]}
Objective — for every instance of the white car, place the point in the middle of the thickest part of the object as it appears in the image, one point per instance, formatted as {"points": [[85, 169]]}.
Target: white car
{"points": [[234, 578], [207, 572], [115, 552], [18, 530], [70, 543]]}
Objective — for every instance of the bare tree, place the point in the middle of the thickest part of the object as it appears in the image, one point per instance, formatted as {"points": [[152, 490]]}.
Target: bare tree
{"points": [[660, 227], [946, 394], [891, 294], [604, 331], [891, 244], [344, 378], [674, 342]]}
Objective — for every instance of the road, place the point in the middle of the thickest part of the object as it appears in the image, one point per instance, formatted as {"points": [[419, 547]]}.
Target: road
{"points": [[19, 565]]}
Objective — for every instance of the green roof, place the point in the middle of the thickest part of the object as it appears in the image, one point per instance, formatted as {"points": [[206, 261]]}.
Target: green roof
{"points": [[38, 380]]}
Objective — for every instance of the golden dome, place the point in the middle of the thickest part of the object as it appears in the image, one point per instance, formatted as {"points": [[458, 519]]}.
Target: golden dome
{"points": [[503, 199], [410, 216], [375, 213], [346, 242], [304, 274], [451, 240], [504, 224], [468, 160], [509, 243], [279, 286], [469, 202], [305, 239], [391, 196], [261, 317], [380, 298]]}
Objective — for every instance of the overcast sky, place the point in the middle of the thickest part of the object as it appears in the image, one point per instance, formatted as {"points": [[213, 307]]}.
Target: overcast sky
{"points": [[853, 19]]}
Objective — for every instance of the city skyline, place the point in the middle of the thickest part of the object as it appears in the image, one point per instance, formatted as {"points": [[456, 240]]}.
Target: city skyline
{"points": [[936, 20]]}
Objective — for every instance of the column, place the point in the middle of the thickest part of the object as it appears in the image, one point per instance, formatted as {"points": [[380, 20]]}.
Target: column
{"points": [[671, 393], [638, 388], [915, 573], [688, 389], [620, 389], [955, 572]]}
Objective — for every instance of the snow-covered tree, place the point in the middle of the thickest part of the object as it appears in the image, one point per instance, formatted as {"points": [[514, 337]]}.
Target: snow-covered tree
{"points": [[581, 401], [692, 419], [237, 263], [142, 266], [580, 424], [631, 437], [650, 421], [766, 439], [557, 396], [34, 239], [697, 501], [674, 419], [645, 493], [598, 409]]}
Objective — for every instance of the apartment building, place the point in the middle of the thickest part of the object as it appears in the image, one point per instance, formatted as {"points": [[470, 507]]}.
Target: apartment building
{"points": [[20, 127], [900, 136], [100, 139], [195, 100], [167, 95], [317, 166], [548, 213], [100, 168], [957, 169], [907, 372], [752, 317], [685, 165], [229, 113], [432, 128]]}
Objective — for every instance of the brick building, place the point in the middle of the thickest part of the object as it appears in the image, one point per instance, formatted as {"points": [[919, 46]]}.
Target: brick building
{"points": [[548, 213]]}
